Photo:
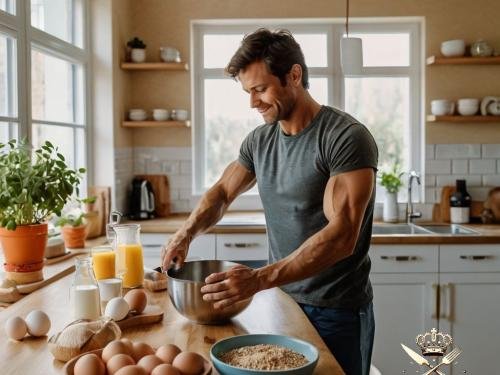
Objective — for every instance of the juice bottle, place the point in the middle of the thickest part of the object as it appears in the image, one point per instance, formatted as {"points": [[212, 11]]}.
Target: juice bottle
{"points": [[129, 259]]}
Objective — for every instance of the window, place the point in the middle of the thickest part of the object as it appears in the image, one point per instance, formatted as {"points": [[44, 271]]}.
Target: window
{"points": [[53, 105], [385, 97]]}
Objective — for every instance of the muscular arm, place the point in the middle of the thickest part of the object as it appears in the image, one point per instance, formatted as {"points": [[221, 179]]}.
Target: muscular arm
{"points": [[344, 204], [235, 180]]}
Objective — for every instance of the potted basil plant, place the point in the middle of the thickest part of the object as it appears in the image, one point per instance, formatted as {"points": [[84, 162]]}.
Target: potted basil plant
{"points": [[392, 182], [32, 188], [74, 225]]}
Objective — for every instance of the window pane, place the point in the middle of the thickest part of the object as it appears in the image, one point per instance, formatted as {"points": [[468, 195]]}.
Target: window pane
{"points": [[385, 49], [57, 89], [81, 161], [8, 6], [318, 88], [314, 47], [8, 76], [59, 136], [383, 105], [8, 131], [218, 49], [228, 119], [60, 18]]}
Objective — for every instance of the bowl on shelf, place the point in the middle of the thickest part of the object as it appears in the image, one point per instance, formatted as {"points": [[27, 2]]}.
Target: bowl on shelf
{"points": [[184, 286], [180, 114], [160, 114], [170, 54], [453, 48], [137, 114], [302, 347], [442, 107], [468, 106]]}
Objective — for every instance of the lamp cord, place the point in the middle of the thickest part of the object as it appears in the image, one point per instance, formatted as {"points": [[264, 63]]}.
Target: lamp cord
{"points": [[347, 18]]}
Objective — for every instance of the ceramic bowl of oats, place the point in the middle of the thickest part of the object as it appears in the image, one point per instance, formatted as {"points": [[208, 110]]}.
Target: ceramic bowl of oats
{"points": [[260, 354]]}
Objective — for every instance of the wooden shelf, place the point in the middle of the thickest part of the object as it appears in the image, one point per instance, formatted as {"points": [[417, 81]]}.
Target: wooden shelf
{"points": [[156, 124], [181, 66], [432, 118], [467, 60]]}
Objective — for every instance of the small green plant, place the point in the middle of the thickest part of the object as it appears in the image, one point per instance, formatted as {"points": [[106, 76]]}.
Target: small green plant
{"points": [[33, 188], [392, 180], [72, 220], [136, 43]]}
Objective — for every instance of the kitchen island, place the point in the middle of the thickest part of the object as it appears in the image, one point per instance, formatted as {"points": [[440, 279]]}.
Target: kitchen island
{"points": [[271, 311]]}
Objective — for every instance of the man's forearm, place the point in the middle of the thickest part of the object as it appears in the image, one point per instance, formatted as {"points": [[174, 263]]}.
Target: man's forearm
{"points": [[320, 251]]}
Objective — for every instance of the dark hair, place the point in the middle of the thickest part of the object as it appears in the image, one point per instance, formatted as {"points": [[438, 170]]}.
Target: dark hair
{"points": [[277, 49]]}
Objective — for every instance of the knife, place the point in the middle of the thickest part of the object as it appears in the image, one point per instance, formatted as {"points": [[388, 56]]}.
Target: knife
{"points": [[418, 358]]}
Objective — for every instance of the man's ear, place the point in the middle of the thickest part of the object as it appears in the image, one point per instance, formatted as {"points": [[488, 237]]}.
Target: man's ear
{"points": [[295, 75]]}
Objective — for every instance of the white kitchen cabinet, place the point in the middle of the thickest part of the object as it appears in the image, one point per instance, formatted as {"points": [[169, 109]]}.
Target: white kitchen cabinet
{"points": [[238, 247], [404, 280], [470, 305], [457, 291]]}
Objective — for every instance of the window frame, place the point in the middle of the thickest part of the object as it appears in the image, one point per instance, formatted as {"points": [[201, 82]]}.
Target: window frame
{"points": [[27, 38], [334, 29]]}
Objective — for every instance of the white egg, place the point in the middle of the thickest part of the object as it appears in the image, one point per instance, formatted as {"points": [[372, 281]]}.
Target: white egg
{"points": [[38, 323], [15, 328], [117, 308]]}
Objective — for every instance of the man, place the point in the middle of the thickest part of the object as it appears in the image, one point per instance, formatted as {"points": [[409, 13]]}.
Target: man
{"points": [[315, 169]]}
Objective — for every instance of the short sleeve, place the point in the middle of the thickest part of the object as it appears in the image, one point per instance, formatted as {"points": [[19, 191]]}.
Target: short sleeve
{"points": [[354, 149], [246, 153]]}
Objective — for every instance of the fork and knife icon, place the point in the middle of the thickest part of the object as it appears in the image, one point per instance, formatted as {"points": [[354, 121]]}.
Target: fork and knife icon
{"points": [[447, 359]]}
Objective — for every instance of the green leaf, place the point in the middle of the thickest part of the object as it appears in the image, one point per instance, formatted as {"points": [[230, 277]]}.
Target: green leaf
{"points": [[60, 156]]}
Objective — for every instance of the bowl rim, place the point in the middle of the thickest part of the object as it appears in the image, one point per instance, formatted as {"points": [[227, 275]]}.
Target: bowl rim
{"points": [[313, 362], [232, 264]]}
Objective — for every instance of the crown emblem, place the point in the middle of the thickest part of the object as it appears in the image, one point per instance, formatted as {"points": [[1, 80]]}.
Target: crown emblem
{"points": [[434, 342]]}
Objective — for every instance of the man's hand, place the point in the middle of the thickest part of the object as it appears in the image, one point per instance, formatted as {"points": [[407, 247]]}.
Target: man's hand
{"points": [[227, 288], [175, 251]]}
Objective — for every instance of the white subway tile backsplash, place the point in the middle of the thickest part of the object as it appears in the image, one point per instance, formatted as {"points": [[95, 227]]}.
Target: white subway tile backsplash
{"points": [[429, 152], [186, 167], [459, 166], [180, 181], [185, 194], [180, 206], [491, 151], [482, 166], [478, 193], [438, 166], [458, 151], [498, 166], [430, 181], [170, 167], [491, 180], [447, 180], [430, 195]]}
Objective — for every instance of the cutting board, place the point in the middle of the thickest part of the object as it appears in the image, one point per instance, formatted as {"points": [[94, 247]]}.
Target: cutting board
{"points": [[102, 206], [161, 191], [441, 211]]}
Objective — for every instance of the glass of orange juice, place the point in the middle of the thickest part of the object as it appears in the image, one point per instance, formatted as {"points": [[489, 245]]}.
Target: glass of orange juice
{"points": [[103, 262]]}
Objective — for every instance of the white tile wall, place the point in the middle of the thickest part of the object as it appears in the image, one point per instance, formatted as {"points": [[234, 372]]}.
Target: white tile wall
{"points": [[124, 173]]}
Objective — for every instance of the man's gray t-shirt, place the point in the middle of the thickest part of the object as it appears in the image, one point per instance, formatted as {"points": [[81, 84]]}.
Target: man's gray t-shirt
{"points": [[292, 173]]}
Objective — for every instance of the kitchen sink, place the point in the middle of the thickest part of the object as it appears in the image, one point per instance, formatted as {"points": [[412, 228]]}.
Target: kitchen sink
{"points": [[436, 229]]}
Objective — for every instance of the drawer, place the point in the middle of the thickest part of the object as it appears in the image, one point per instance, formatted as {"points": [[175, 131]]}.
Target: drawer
{"points": [[202, 247], [470, 258], [242, 247], [404, 258]]}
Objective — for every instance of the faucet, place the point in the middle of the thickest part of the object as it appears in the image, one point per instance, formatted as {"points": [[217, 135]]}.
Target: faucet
{"points": [[409, 205]]}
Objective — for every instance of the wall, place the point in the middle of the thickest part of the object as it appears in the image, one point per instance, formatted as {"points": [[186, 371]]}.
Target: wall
{"points": [[161, 23]]}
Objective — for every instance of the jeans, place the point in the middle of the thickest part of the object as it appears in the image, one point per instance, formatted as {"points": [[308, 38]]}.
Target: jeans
{"points": [[348, 333]]}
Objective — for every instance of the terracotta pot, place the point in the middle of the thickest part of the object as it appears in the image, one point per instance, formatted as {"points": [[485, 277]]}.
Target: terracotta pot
{"points": [[74, 237], [24, 247]]}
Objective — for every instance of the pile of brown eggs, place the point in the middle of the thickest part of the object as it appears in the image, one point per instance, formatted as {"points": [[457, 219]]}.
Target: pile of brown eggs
{"points": [[124, 357]]}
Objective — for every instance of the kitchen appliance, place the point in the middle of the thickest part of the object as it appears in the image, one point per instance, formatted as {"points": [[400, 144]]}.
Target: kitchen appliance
{"points": [[142, 200]]}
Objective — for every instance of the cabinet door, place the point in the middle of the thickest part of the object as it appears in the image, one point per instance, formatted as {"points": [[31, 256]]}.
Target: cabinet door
{"points": [[470, 310], [202, 247], [405, 305]]}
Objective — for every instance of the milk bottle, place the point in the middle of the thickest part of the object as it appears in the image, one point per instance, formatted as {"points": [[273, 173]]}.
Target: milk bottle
{"points": [[85, 300]]}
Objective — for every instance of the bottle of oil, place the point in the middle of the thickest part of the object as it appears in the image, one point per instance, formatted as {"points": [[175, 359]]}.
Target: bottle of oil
{"points": [[460, 202]]}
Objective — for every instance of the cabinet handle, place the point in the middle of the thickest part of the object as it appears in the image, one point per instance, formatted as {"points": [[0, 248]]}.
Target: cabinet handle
{"points": [[442, 301], [448, 291], [399, 258], [152, 245], [241, 244], [476, 257], [435, 312]]}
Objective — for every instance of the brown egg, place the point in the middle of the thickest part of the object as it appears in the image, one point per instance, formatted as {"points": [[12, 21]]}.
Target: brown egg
{"points": [[89, 364], [137, 300], [114, 348], [165, 369], [149, 362], [118, 361], [167, 353], [141, 349], [131, 370], [128, 343], [189, 363]]}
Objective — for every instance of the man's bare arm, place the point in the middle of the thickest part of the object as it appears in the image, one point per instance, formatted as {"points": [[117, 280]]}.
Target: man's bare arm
{"points": [[235, 180]]}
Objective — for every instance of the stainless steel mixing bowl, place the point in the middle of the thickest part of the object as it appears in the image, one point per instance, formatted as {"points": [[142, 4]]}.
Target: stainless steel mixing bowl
{"points": [[184, 287]]}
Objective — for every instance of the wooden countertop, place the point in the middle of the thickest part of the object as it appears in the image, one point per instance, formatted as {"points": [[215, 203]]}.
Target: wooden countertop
{"points": [[488, 233], [271, 311]]}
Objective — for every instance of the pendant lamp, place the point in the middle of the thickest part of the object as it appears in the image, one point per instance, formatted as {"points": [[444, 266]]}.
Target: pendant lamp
{"points": [[351, 51]]}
